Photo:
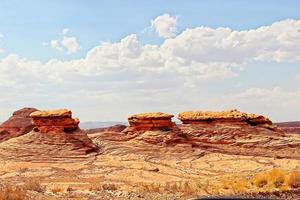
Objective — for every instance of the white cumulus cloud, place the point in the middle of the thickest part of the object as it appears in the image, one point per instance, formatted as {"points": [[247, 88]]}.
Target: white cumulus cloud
{"points": [[165, 25], [269, 101], [168, 77], [67, 43]]}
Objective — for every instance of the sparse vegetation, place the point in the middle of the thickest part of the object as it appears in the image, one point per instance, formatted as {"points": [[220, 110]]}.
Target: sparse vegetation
{"points": [[106, 186], [34, 185], [273, 180], [170, 187], [19, 192], [57, 189], [10, 192], [294, 180]]}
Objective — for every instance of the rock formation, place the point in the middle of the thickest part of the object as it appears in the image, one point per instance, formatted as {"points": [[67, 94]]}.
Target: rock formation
{"points": [[150, 122], [231, 116], [54, 121], [55, 137], [18, 124]]}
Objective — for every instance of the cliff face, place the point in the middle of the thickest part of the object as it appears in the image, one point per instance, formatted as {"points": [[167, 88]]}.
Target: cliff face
{"points": [[150, 122], [18, 124]]}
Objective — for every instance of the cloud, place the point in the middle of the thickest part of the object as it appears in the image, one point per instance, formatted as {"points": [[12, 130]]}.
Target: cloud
{"points": [[67, 44], [175, 75], [165, 25], [65, 31], [70, 44], [274, 102]]}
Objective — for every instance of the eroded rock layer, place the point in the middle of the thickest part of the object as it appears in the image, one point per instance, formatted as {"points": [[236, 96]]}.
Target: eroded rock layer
{"points": [[150, 121], [63, 142], [54, 147], [54, 120], [18, 124], [231, 117]]}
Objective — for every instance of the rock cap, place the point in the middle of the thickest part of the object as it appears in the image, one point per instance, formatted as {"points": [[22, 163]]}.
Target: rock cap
{"points": [[51, 113], [151, 115], [206, 115]]}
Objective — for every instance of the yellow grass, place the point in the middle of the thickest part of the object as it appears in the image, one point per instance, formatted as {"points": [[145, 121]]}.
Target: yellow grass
{"points": [[57, 189], [294, 180], [183, 187], [268, 181]]}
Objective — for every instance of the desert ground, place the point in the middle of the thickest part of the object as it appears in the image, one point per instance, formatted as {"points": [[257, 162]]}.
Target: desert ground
{"points": [[221, 154]]}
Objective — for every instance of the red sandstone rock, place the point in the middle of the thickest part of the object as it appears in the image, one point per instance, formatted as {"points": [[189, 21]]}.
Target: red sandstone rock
{"points": [[18, 124], [54, 121], [232, 117], [150, 121], [64, 141]]}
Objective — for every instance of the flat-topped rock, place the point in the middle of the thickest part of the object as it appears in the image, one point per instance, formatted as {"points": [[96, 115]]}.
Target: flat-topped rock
{"points": [[150, 121], [18, 124], [231, 116], [52, 113], [54, 121], [151, 115], [54, 138]]}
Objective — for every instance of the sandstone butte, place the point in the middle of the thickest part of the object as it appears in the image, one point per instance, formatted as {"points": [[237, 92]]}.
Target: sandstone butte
{"points": [[150, 121], [18, 124], [54, 120], [55, 137], [232, 116]]}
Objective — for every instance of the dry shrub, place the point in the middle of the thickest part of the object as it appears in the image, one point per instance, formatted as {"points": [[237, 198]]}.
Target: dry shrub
{"points": [[101, 187], [70, 189], [110, 187], [169, 187], [57, 189], [34, 185], [260, 180], [240, 186], [274, 178], [294, 180], [9, 192], [268, 181]]}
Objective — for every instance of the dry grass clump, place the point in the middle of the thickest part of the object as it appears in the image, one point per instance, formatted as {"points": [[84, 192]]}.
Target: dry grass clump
{"points": [[105, 186], [276, 178], [294, 180], [57, 189], [34, 185], [19, 192], [183, 187], [273, 180], [9, 192]]}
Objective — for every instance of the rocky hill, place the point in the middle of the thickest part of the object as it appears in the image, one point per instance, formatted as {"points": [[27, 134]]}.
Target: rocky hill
{"points": [[18, 124], [55, 137]]}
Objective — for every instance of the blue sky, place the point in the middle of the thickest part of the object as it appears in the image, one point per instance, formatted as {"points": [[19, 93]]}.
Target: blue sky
{"points": [[31, 22], [51, 47]]}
